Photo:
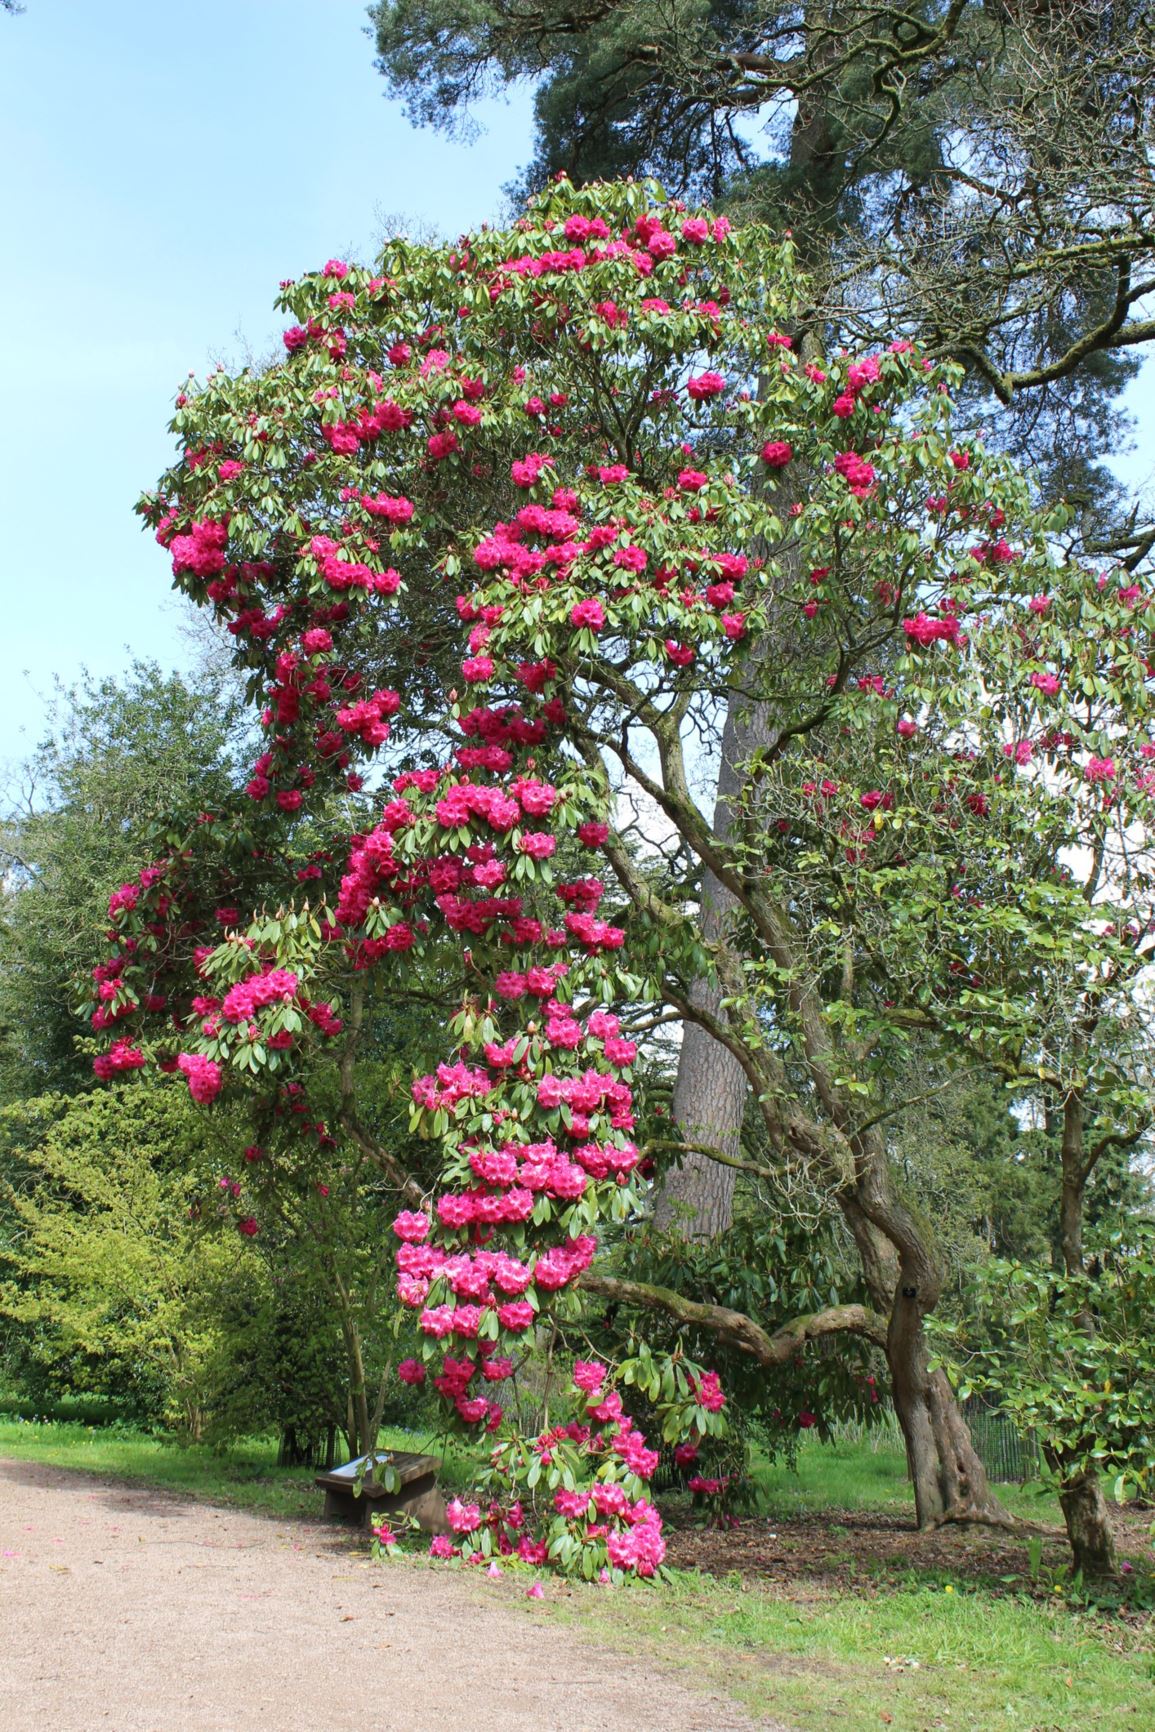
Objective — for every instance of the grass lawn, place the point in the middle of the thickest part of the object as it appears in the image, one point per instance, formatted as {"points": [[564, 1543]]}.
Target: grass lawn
{"points": [[910, 1658], [838, 1618]]}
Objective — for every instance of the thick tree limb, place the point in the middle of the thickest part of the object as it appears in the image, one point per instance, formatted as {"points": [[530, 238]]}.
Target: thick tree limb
{"points": [[734, 1327], [388, 1163]]}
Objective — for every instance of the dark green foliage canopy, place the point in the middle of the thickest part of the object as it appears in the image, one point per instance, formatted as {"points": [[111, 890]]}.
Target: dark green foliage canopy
{"points": [[976, 172], [121, 758]]}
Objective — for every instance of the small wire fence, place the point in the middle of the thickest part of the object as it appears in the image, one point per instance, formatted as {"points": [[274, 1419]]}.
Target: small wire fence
{"points": [[1008, 1456]]}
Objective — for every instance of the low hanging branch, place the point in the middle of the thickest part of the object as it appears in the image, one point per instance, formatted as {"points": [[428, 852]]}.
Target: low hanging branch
{"points": [[734, 1327]]}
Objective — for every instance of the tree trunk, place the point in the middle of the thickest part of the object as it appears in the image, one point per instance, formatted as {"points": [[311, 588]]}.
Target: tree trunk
{"points": [[1088, 1525], [696, 1197], [950, 1482], [1073, 1187], [363, 1424], [1080, 1495]]}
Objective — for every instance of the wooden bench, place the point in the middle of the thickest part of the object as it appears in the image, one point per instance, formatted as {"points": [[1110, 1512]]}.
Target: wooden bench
{"points": [[356, 1493]]}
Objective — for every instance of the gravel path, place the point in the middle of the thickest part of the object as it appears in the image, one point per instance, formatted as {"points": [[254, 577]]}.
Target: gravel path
{"points": [[133, 1610]]}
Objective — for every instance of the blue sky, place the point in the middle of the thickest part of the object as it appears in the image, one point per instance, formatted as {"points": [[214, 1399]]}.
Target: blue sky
{"points": [[167, 165]]}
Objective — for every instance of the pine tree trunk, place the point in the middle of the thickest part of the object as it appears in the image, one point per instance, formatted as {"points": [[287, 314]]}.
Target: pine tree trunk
{"points": [[696, 1197]]}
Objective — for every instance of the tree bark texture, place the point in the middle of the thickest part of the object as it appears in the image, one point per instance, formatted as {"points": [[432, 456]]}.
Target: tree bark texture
{"points": [[1088, 1525], [1080, 1495], [1072, 1195], [696, 1197], [948, 1478]]}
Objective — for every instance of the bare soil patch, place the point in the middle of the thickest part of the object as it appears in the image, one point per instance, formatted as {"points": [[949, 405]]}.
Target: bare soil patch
{"points": [[870, 1550]]}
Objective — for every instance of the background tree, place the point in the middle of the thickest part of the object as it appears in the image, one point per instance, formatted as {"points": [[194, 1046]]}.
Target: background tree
{"points": [[109, 1282], [83, 815], [1012, 821], [975, 175], [980, 1161], [1067, 1358], [129, 1271]]}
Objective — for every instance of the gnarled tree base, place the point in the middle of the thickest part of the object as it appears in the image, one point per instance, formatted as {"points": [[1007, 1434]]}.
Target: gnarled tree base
{"points": [[950, 1482], [1089, 1526]]}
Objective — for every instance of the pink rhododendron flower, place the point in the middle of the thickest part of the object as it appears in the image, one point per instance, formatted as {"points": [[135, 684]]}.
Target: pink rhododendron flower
{"points": [[463, 1518], [862, 373], [477, 669], [589, 613], [411, 1225], [122, 1056], [777, 453], [538, 844], [708, 1392], [855, 471], [924, 630], [517, 1316], [589, 1374], [703, 386], [203, 1076]]}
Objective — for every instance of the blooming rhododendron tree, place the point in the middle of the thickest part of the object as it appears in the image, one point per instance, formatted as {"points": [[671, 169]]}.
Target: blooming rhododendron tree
{"points": [[499, 539]]}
